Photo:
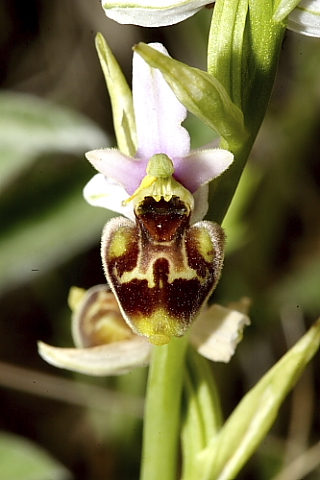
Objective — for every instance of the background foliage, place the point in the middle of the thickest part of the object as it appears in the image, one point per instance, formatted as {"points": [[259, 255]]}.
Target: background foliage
{"points": [[53, 107]]}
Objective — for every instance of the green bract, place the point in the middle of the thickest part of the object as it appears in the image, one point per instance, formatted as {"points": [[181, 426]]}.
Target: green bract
{"points": [[201, 93]]}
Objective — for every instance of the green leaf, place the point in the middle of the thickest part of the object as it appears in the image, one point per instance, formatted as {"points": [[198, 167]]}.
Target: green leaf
{"points": [[20, 459], [121, 99], [251, 420], [202, 94], [44, 241], [44, 218], [31, 126]]}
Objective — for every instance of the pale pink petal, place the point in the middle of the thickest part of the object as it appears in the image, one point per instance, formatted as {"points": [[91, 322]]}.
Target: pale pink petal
{"points": [[105, 192], [158, 112], [201, 167], [114, 164], [112, 359]]}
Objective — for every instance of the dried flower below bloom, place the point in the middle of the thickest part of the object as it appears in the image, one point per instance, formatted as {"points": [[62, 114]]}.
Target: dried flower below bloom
{"points": [[107, 346]]}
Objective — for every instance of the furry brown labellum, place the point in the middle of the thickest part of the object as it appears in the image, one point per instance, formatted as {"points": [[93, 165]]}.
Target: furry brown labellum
{"points": [[161, 269]]}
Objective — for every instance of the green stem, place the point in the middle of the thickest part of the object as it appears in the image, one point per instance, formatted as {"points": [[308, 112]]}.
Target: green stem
{"points": [[223, 188], [245, 61], [162, 411]]}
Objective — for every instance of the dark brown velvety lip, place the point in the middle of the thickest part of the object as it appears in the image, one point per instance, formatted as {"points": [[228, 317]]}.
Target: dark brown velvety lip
{"points": [[172, 267]]}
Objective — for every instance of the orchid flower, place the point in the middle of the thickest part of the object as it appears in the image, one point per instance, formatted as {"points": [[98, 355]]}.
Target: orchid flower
{"points": [[158, 118], [161, 263], [105, 344], [304, 19]]}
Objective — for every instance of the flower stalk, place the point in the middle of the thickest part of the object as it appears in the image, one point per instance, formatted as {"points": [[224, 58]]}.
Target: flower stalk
{"points": [[163, 411]]}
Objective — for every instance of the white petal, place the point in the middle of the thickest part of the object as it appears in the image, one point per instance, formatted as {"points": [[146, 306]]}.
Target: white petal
{"points": [[152, 13], [158, 112], [112, 359], [201, 167], [305, 18], [105, 192], [217, 332], [114, 164]]}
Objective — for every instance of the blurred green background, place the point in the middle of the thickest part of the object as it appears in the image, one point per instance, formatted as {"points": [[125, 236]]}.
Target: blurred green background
{"points": [[53, 107]]}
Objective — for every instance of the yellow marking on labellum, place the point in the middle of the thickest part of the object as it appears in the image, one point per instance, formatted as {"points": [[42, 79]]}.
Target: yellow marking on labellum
{"points": [[176, 270], [119, 243], [159, 327], [205, 245]]}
